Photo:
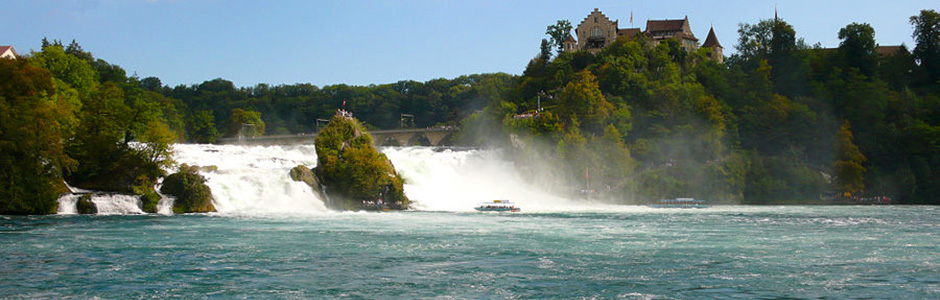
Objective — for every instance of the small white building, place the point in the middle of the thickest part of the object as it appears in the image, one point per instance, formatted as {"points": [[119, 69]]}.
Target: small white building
{"points": [[7, 52]]}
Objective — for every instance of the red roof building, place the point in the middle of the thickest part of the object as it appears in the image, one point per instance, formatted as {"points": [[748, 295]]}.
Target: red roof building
{"points": [[659, 30], [597, 31], [7, 52]]}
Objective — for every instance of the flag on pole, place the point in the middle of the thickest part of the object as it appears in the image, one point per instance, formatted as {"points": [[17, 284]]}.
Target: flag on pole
{"points": [[631, 18], [344, 104]]}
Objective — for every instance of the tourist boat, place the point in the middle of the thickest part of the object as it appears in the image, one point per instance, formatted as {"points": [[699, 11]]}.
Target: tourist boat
{"points": [[680, 203], [498, 205]]}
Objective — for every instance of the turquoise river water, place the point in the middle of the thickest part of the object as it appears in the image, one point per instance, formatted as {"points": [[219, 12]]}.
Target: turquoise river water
{"points": [[610, 252]]}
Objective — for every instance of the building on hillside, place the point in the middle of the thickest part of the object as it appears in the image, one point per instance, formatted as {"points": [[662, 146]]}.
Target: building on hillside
{"points": [[711, 42], [884, 51], [597, 31], [570, 44], [7, 52], [660, 30]]}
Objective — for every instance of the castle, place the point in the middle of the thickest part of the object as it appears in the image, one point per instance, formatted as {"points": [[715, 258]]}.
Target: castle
{"points": [[597, 31]]}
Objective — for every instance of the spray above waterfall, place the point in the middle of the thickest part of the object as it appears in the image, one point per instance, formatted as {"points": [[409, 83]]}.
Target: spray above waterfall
{"points": [[254, 180]]}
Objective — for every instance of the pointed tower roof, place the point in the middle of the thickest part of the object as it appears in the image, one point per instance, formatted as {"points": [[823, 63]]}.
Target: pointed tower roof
{"points": [[569, 39], [711, 41]]}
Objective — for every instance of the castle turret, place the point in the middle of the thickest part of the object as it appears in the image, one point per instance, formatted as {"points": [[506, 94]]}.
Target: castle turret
{"points": [[711, 42], [570, 44]]}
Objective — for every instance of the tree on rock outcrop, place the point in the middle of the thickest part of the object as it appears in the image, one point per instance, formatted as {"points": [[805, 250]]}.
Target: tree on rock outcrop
{"points": [[356, 175], [189, 188]]}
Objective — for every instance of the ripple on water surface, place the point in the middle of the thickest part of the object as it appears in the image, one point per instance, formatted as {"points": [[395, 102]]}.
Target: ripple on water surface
{"points": [[725, 252]]}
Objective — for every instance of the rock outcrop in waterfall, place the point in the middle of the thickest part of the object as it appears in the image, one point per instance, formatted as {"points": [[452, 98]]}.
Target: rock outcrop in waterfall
{"points": [[353, 174], [189, 188]]}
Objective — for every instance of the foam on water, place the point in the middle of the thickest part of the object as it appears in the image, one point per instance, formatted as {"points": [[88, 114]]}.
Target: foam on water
{"points": [[68, 204], [116, 204], [106, 204], [449, 180], [250, 180], [254, 179], [730, 252]]}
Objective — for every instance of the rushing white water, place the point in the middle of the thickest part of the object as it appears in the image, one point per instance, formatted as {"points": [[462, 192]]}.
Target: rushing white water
{"points": [[116, 204], [68, 204], [106, 204], [448, 180], [254, 179]]}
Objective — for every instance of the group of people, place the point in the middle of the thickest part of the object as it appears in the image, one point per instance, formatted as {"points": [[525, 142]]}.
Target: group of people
{"points": [[344, 113]]}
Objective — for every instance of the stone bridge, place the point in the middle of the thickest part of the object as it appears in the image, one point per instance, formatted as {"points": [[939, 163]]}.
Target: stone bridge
{"points": [[432, 136]]}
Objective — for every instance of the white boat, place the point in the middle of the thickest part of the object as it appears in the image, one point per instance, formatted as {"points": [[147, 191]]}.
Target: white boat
{"points": [[680, 203], [498, 205]]}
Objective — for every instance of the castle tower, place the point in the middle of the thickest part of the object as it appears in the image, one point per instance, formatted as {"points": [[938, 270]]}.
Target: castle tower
{"points": [[596, 31], [711, 42], [570, 44]]}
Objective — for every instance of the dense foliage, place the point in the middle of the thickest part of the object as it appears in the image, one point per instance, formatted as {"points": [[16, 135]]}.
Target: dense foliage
{"points": [[190, 190], [216, 108], [69, 116], [34, 121], [781, 122], [356, 175]]}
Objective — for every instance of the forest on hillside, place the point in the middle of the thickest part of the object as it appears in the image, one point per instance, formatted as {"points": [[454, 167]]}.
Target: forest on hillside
{"points": [[779, 121]]}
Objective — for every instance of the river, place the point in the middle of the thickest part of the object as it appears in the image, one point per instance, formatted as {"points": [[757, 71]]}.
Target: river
{"points": [[272, 238]]}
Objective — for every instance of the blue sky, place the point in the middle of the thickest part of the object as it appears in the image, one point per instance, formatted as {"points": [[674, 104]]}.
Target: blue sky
{"points": [[376, 42]]}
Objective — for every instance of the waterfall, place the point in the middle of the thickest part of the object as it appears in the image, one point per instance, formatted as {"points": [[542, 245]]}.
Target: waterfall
{"points": [[458, 180], [67, 204], [116, 204], [106, 204], [254, 179]]}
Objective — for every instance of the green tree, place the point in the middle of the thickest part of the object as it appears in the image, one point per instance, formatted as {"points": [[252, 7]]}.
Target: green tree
{"points": [[573, 151], [100, 144], [244, 123], [582, 99], [858, 47], [151, 84], [31, 139], [615, 162], [74, 49], [156, 144], [558, 33], [545, 51], [897, 69], [74, 71], [849, 172], [201, 127], [927, 36], [354, 171], [774, 41]]}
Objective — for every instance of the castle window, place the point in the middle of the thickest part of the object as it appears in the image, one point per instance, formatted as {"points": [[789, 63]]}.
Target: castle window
{"points": [[595, 19]]}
